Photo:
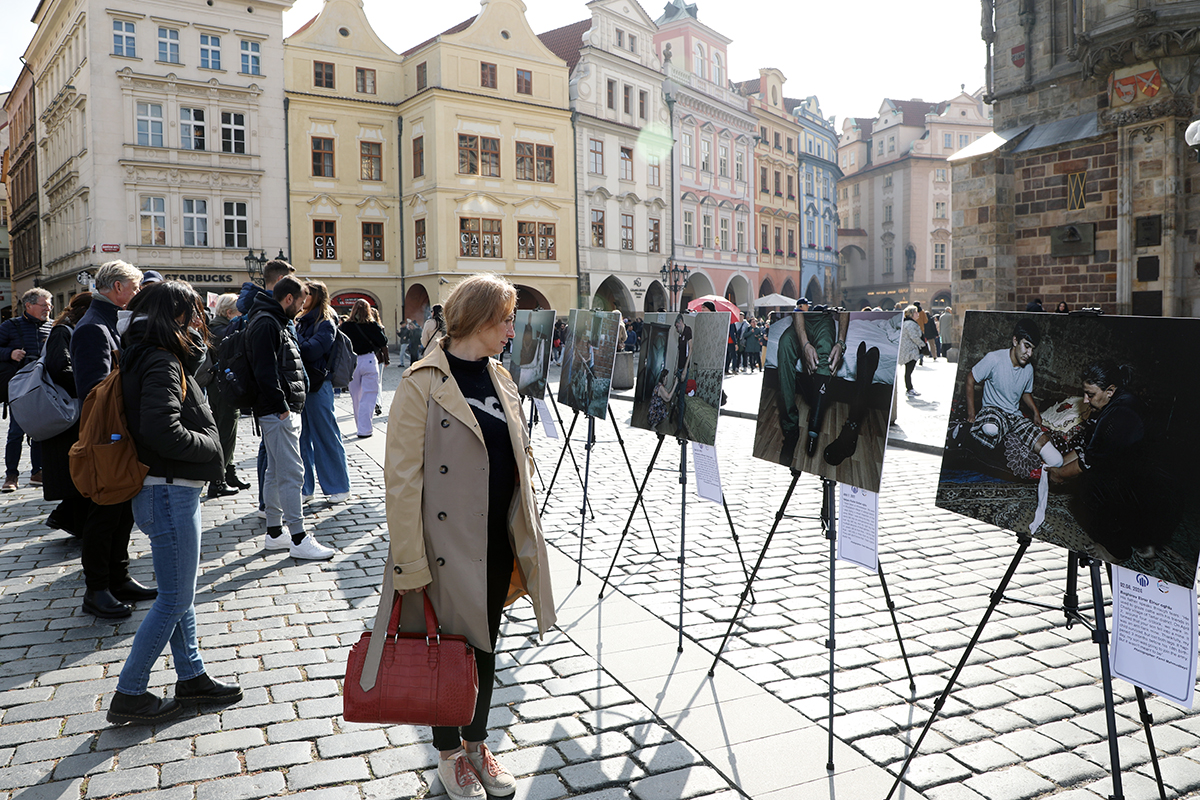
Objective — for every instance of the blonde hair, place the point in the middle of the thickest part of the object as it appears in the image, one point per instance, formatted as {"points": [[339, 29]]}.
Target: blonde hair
{"points": [[224, 303], [910, 312], [477, 302]]}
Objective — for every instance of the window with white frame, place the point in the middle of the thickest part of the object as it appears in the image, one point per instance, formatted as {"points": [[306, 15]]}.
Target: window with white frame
{"points": [[191, 128], [887, 181], [964, 139], [718, 69], [808, 184], [168, 45], [723, 241], [689, 228], [632, 43], [880, 148], [620, 38], [698, 62], [723, 160], [939, 255], [741, 236], [705, 155], [596, 156], [627, 231], [939, 175], [124, 41], [810, 230], [654, 170], [939, 209], [887, 260], [150, 124], [739, 166], [233, 132], [626, 173], [210, 51], [685, 149], [706, 228], [887, 213], [195, 222], [237, 225], [250, 58], [827, 235], [153, 218], [891, 144]]}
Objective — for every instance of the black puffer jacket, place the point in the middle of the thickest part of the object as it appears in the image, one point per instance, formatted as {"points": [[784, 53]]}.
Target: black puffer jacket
{"points": [[365, 337], [176, 437], [275, 358]]}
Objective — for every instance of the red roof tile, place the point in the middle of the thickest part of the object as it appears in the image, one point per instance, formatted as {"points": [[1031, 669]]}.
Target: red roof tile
{"points": [[864, 124], [459, 28], [748, 87], [567, 41]]}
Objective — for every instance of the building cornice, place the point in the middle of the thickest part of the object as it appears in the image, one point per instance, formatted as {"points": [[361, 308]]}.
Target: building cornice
{"points": [[340, 98]]}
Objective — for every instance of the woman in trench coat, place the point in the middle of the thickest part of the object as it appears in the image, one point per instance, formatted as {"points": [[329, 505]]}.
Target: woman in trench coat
{"points": [[461, 512]]}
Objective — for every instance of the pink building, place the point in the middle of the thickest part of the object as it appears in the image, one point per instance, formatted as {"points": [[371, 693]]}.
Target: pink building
{"points": [[713, 161]]}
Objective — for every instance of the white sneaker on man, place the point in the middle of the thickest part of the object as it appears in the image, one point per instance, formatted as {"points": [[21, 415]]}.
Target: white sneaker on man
{"points": [[459, 778], [281, 542], [339, 498], [310, 549], [495, 778], [306, 499]]}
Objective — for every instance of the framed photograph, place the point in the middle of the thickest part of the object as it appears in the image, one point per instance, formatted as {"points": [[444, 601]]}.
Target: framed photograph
{"points": [[827, 392], [588, 355], [677, 391], [529, 360], [1076, 428]]}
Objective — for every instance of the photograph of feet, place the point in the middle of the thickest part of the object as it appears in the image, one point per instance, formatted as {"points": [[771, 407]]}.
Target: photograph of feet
{"points": [[828, 379]]}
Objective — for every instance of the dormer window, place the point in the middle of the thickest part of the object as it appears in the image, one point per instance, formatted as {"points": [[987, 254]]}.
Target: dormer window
{"points": [[632, 43], [718, 69]]}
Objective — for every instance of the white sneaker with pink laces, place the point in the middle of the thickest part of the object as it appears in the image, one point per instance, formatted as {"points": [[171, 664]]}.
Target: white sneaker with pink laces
{"points": [[496, 779], [459, 777]]}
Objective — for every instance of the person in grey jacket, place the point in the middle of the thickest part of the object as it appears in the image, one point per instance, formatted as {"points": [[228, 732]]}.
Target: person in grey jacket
{"points": [[21, 340]]}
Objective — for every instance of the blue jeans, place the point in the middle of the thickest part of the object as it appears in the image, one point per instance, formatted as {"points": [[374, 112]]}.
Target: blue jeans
{"points": [[170, 517], [321, 444], [12, 450]]}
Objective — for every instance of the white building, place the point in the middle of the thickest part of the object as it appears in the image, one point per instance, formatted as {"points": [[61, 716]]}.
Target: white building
{"points": [[161, 137], [622, 155]]}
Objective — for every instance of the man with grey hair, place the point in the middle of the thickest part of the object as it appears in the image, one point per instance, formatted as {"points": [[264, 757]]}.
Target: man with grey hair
{"points": [[21, 340], [105, 547]]}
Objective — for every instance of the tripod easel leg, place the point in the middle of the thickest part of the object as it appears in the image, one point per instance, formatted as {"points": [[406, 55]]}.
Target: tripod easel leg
{"points": [[1148, 720], [1024, 541], [629, 465], [571, 453], [912, 683], [633, 511], [762, 554], [587, 470], [1100, 637], [736, 543], [829, 522], [682, 530], [561, 455]]}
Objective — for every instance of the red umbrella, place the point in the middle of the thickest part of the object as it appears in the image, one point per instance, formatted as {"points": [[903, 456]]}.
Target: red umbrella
{"points": [[720, 302]]}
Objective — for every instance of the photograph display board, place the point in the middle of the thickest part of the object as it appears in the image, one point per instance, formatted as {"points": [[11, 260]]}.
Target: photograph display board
{"points": [[529, 360], [827, 391], [680, 369], [1036, 443], [588, 355]]}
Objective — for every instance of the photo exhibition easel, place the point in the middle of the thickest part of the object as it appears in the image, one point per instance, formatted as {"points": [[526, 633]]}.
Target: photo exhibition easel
{"points": [[829, 528], [1070, 609], [683, 443], [566, 450]]}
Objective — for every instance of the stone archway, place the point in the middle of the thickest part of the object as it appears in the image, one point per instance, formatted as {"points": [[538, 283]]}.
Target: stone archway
{"points": [[416, 303], [940, 300], [766, 287], [698, 285], [656, 297], [612, 295], [789, 289], [529, 298], [813, 292], [737, 291]]}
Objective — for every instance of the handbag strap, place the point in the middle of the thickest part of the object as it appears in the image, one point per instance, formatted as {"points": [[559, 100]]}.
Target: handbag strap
{"points": [[387, 623]]}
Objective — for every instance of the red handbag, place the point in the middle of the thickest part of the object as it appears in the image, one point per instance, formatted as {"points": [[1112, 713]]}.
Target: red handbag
{"points": [[413, 678]]}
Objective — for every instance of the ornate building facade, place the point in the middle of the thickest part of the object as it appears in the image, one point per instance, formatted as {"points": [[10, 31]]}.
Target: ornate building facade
{"points": [[25, 247], [1084, 195], [159, 138], [820, 278], [622, 151]]}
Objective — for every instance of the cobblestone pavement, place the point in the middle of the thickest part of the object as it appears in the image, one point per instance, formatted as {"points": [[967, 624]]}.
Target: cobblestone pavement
{"points": [[1027, 721]]}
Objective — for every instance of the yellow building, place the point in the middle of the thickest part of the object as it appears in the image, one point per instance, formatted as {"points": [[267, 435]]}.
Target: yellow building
{"points": [[488, 170], [343, 96]]}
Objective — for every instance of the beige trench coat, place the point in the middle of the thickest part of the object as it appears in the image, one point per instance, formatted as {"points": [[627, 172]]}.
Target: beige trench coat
{"points": [[436, 477]]}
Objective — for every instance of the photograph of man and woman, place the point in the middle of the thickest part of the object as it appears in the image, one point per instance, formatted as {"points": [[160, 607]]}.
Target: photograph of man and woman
{"points": [[827, 389], [1076, 429], [589, 350], [529, 360], [680, 368]]}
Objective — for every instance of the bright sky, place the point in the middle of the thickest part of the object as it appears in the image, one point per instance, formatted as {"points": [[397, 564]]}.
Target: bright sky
{"points": [[851, 55]]}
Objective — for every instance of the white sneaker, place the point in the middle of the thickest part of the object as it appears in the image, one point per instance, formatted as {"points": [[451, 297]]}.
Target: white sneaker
{"points": [[913, 393], [309, 548], [495, 778], [339, 498], [262, 513], [308, 498], [459, 778], [281, 542]]}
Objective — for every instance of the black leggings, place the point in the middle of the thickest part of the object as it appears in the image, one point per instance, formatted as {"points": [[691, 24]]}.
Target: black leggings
{"points": [[499, 573], [908, 371]]}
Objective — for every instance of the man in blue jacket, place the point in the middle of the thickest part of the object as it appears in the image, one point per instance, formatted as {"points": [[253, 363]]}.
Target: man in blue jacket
{"points": [[21, 340]]}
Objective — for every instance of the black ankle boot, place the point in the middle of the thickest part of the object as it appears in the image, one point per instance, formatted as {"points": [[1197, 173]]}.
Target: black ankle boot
{"points": [[145, 708], [203, 689], [220, 489], [844, 445], [233, 480]]}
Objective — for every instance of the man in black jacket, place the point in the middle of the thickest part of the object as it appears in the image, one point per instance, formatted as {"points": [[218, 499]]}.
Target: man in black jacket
{"points": [[105, 535], [21, 340], [282, 388]]}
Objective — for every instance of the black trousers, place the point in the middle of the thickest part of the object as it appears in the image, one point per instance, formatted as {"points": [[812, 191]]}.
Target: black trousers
{"points": [[499, 573], [105, 547], [908, 371]]}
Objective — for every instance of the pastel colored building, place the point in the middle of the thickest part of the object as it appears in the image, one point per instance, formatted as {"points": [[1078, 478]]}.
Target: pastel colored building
{"points": [[820, 274]]}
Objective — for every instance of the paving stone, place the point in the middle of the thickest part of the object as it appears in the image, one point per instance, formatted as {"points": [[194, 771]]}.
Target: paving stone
{"points": [[243, 787], [1014, 783], [122, 782], [530, 733], [241, 739], [934, 769], [603, 745], [598, 774], [402, 759], [1066, 769], [392, 787], [201, 768], [22, 775], [667, 757], [83, 764], [53, 748], [58, 790], [679, 784], [310, 729], [530, 760], [174, 793], [274, 756]]}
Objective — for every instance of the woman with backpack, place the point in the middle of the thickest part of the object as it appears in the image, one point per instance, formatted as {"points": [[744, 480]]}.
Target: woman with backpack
{"points": [[433, 329], [321, 447], [366, 336], [57, 484], [176, 438]]}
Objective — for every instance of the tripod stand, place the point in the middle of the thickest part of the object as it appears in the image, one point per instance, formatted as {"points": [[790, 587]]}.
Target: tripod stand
{"points": [[1070, 609], [829, 527], [566, 450]]}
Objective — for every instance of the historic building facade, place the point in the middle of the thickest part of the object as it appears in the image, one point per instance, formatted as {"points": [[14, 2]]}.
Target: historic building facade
{"points": [[622, 151], [343, 104], [779, 198], [820, 278], [1084, 194], [895, 199], [487, 183], [159, 138], [7, 305], [25, 247], [713, 162]]}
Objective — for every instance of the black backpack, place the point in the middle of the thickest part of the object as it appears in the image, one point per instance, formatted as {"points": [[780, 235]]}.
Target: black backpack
{"points": [[234, 372]]}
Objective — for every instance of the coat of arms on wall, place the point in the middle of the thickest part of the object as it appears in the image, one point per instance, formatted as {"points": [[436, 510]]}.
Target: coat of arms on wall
{"points": [[1133, 84], [1018, 56]]}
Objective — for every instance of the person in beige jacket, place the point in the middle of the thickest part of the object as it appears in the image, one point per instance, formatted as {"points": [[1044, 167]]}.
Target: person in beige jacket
{"points": [[461, 511]]}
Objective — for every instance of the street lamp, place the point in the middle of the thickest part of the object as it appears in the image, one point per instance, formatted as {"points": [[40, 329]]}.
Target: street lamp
{"points": [[256, 263], [674, 277]]}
